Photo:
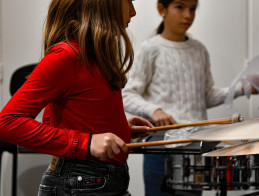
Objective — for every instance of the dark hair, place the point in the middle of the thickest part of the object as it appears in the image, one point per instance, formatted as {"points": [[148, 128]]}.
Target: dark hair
{"points": [[98, 27], [165, 3]]}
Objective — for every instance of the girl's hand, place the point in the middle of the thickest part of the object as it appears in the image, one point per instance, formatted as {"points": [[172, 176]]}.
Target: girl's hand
{"points": [[250, 86], [107, 145], [161, 118], [254, 91], [139, 126]]}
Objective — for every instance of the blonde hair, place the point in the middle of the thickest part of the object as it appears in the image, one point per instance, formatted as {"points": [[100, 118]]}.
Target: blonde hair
{"points": [[97, 25]]}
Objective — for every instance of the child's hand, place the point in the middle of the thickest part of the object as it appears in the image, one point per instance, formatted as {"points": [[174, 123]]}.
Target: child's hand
{"points": [[139, 126], [161, 118], [107, 145], [250, 85]]}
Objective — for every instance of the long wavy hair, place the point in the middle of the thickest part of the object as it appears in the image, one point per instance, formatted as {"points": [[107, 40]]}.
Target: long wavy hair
{"points": [[97, 25], [165, 3]]}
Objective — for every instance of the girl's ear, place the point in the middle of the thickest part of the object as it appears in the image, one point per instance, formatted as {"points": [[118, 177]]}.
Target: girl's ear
{"points": [[161, 9]]}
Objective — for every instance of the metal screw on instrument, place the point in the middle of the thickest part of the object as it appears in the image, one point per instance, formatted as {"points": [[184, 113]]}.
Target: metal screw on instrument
{"points": [[79, 178]]}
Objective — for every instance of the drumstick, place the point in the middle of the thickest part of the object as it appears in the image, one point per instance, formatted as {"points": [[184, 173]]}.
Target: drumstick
{"points": [[162, 142], [229, 142], [235, 118]]}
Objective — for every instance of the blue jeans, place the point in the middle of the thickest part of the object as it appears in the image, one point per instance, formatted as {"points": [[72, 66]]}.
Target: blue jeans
{"points": [[85, 178], [154, 173]]}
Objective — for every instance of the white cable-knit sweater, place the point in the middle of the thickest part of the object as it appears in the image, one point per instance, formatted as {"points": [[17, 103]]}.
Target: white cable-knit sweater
{"points": [[173, 76]]}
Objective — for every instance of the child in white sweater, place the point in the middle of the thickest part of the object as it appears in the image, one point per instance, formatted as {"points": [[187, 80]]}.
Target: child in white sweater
{"points": [[171, 81]]}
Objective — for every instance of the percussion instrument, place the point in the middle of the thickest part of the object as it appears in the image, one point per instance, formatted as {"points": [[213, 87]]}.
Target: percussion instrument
{"points": [[195, 172], [247, 148], [192, 171], [235, 118], [239, 131]]}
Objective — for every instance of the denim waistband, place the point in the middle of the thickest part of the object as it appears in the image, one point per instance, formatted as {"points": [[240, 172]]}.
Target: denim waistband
{"points": [[60, 162]]}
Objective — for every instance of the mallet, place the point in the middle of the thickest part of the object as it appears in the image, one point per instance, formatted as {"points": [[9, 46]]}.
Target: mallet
{"points": [[163, 142], [236, 117]]}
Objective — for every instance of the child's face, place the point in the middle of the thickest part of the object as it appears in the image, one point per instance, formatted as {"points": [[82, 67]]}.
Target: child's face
{"points": [[179, 16], [128, 11]]}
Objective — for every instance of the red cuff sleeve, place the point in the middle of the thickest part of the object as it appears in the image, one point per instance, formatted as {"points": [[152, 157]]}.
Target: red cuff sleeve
{"points": [[80, 145]]}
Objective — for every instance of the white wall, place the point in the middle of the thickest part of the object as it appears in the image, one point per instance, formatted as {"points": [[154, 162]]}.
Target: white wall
{"points": [[225, 36], [1, 53], [22, 32], [21, 28], [254, 46], [220, 24]]}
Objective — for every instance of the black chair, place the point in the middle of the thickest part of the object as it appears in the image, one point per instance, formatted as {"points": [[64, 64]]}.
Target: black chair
{"points": [[20, 76], [7, 147], [17, 80]]}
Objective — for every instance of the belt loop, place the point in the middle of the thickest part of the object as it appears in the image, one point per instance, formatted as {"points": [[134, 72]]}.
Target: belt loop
{"points": [[59, 166], [111, 168]]}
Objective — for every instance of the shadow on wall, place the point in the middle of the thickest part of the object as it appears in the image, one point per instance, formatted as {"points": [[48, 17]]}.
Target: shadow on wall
{"points": [[31, 176]]}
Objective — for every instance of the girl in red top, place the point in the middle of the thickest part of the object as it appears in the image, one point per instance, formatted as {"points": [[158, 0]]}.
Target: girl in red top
{"points": [[79, 82]]}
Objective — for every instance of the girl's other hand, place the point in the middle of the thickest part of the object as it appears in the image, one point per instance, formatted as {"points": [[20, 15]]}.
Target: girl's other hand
{"points": [[161, 118], [107, 145], [139, 126], [254, 91], [250, 85]]}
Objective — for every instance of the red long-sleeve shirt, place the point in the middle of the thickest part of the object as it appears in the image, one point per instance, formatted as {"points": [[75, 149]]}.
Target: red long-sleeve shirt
{"points": [[79, 103]]}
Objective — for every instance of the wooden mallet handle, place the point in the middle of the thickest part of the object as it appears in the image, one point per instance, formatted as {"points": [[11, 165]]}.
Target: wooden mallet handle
{"points": [[162, 142], [235, 118]]}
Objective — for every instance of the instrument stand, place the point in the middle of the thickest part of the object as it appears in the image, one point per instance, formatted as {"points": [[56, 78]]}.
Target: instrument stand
{"points": [[252, 194], [223, 187]]}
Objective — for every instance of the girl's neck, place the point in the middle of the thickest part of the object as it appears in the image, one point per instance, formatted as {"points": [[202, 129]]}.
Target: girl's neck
{"points": [[174, 37]]}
